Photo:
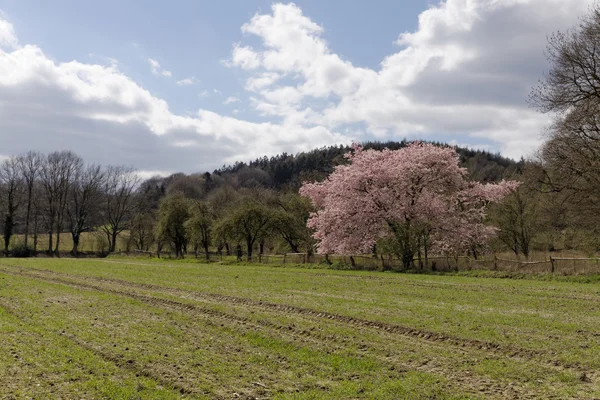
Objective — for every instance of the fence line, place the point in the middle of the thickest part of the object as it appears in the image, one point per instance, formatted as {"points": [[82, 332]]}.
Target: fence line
{"points": [[558, 265]]}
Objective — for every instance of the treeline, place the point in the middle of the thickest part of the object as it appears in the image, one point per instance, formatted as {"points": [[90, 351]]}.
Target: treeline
{"points": [[59, 192], [254, 205], [289, 171]]}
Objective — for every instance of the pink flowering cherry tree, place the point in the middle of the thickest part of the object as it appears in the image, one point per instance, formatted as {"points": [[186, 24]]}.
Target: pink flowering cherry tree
{"points": [[416, 198]]}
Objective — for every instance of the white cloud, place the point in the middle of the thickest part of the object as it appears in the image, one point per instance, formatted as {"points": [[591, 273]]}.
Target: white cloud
{"points": [[244, 57], [466, 71], [188, 81], [231, 99], [203, 93], [157, 69], [464, 74], [103, 115], [8, 38], [261, 81]]}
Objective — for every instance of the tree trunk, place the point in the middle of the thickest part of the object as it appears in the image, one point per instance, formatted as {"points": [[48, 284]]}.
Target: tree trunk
{"points": [[407, 258], [75, 251], [249, 244], [27, 216], [50, 242], [57, 238], [8, 231], [262, 248], [35, 232], [419, 256], [227, 250], [206, 251], [113, 241]]}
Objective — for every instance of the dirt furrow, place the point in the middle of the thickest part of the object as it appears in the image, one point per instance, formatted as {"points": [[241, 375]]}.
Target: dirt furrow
{"points": [[512, 352], [119, 362], [483, 385]]}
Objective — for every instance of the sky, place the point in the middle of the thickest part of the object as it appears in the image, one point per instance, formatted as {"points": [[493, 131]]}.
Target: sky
{"points": [[189, 85]]}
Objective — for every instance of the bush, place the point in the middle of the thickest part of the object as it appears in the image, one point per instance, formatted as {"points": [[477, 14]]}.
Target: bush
{"points": [[22, 250]]}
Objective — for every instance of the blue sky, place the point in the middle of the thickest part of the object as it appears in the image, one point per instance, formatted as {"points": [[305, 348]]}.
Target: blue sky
{"points": [[191, 38], [298, 75]]}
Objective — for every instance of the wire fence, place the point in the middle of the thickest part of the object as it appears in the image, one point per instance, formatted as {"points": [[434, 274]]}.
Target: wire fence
{"points": [[556, 265], [548, 264]]}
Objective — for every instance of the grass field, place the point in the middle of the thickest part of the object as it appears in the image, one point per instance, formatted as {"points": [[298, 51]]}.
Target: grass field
{"points": [[90, 241], [127, 328]]}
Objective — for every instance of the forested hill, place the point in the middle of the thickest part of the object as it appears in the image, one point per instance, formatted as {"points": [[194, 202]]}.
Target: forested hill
{"points": [[289, 171]]}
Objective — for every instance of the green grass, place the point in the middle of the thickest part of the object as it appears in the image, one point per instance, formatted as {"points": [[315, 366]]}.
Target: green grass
{"points": [[130, 328]]}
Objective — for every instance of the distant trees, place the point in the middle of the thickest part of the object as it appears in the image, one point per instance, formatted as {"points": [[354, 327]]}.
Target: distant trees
{"points": [[413, 196], [57, 173], [84, 202], [290, 214], [518, 219], [30, 164], [570, 91], [247, 221], [11, 182], [118, 191], [199, 227], [172, 216]]}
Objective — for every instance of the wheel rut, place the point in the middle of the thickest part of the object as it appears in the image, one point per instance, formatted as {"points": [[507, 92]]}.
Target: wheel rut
{"points": [[511, 352]]}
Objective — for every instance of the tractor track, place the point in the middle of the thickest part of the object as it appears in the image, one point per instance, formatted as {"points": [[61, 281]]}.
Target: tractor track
{"points": [[428, 284], [117, 361], [511, 352], [474, 384]]}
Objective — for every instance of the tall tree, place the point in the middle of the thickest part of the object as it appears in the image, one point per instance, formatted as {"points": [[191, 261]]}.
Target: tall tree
{"points": [[199, 226], [290, 215], [248, 221], [30, 164], [517, 218], [172, 216], [11, 184], [56, 176], [220, 201], [571, 92], [84, 201], [119, 188], [401, 195]]}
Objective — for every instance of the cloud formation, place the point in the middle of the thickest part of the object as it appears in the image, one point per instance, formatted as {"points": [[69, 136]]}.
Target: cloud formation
{"points": [[463, 75], [157, 69], [466, 71], [188, 81], [231, 99], [106, 117]]}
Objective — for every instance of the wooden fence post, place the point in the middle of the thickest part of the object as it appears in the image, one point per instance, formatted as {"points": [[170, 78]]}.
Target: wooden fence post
{"points": [[551, 264], [495, 263], [284, 257]]}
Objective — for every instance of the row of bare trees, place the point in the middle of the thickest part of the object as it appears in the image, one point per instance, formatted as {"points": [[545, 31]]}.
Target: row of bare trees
{"points": [[59, 192]]}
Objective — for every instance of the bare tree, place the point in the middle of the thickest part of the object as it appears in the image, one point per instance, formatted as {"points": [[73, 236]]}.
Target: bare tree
{"points": [[56, 177], [85, 198], [571, 90], [30, 165], [119, 187], [12, 185], [574, 77], [518, 219]]}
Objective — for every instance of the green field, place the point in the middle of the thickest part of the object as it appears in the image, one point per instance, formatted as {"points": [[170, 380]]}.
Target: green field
{"points": [[127, 328]]}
